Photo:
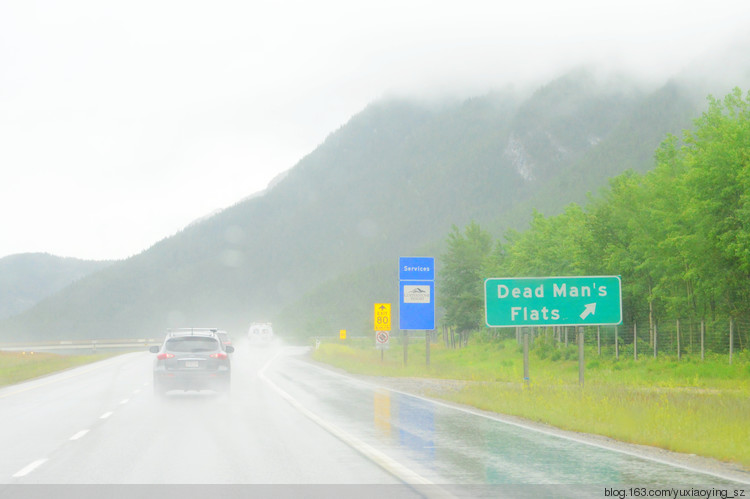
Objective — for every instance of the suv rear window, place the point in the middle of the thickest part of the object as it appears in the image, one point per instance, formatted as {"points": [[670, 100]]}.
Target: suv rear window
{"points": [[191, 344]]}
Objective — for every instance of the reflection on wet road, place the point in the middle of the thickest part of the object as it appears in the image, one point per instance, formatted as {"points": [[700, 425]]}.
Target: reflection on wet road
{"points": [[448, 445]]}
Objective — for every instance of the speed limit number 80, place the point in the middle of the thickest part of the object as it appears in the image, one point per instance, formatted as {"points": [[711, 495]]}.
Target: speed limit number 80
{"points": [[382, 317]]}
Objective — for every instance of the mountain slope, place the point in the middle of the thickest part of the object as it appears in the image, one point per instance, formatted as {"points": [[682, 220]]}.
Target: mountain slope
{"points": [[26, 279], [313, 251], [538, 162]]}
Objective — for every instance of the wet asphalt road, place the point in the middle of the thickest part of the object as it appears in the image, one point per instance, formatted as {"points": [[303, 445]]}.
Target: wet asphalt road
{"points": [[286, 421]]}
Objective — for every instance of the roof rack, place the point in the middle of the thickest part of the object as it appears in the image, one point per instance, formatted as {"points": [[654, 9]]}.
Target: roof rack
{"points": [[192, 330]]}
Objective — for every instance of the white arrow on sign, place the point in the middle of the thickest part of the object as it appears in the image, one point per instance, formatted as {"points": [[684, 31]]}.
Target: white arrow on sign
{"points": [[589, 310]]}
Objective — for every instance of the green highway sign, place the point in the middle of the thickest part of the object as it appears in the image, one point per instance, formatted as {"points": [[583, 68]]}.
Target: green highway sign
{"points": [[553, 301]]}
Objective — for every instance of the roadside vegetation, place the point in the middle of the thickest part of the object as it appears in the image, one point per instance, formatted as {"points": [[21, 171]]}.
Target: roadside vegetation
{"points": [[21, 366], [676, 373], [692, 406], [679, 236]]}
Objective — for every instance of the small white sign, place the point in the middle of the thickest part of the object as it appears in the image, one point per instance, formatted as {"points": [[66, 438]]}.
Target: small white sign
{"points": [[417, 294], [382, 340]]}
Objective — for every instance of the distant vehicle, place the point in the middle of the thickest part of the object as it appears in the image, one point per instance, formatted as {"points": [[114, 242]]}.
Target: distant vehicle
{"points": [[192, 359], [260, 333], [224, 337]]}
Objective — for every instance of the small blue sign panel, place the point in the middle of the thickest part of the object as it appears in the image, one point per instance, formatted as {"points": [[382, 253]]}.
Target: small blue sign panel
{"points": [[417, 305], [416, 268], [417, 293]]}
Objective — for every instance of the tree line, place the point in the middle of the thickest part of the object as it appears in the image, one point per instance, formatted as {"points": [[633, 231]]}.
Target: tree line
{"points": [[678, 235]]}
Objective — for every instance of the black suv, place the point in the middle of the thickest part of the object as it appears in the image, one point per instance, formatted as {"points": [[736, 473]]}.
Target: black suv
{"points": [[192, 359]]}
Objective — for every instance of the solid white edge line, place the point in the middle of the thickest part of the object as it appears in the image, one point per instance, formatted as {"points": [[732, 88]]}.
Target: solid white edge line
{"points": [[477, 412], [29, 468], [389, 464], [79, 434]]}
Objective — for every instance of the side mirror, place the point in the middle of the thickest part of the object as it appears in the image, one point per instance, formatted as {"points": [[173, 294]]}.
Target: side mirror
{"points": [[154, 349], [229, 348]]}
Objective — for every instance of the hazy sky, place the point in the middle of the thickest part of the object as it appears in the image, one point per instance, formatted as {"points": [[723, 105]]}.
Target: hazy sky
{"points": [[121, 122]]}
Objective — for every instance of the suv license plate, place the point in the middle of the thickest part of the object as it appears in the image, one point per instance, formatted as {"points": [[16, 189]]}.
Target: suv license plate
{"points": [[192, 363]]}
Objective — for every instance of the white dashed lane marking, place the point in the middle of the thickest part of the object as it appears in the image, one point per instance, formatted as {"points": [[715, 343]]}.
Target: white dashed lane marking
{"points": [[79, 434], [29, 468], [34, 465]]}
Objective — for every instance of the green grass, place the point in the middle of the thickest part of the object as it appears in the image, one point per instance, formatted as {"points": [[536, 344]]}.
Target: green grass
{"points": [[690, 406], [21, 366]]}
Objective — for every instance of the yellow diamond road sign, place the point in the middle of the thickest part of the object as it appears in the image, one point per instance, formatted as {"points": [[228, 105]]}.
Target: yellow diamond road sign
{"points": [[382, 317]]}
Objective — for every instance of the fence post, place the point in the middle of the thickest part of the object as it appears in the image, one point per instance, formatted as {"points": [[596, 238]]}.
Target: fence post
{"points": [[635, 341], [656, 340], [617, 346], [731, 339], [703, 334], [679, 350], [739, 339]]}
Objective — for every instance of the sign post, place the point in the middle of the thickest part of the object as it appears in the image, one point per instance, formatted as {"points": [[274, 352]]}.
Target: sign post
{"points": [[580, 356], [553, 301], [416, 296], [382, 324], [382, 339], [427, 347], [526, 378]]}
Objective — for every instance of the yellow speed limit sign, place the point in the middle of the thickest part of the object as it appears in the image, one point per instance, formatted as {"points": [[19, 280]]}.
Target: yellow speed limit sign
{"points": [[382, 317]]}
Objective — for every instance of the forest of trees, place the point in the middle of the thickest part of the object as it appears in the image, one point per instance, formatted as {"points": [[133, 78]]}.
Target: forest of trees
{"points": [[678, 235]]}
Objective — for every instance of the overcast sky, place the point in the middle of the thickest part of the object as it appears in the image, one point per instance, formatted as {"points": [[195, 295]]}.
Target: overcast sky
{"points": [[123, 121]]}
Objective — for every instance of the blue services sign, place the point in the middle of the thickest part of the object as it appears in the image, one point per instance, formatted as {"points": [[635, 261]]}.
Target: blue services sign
{"points": [[416, 293], [416, 269]]}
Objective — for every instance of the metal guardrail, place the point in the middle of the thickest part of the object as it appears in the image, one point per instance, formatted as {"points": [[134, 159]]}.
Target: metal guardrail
{"points": [[123, 343]]}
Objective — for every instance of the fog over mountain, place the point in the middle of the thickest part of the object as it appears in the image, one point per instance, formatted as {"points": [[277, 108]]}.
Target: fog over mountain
{"points": [[134, 119], [26, 279], [317, 248]]}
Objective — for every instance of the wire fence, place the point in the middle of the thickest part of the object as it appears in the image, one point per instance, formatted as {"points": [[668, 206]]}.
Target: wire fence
{"points": [[673, 338]]}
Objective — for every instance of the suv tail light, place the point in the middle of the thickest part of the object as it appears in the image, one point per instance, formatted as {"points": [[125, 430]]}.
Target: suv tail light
{"points": [[165, 355], [218, 355]]}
